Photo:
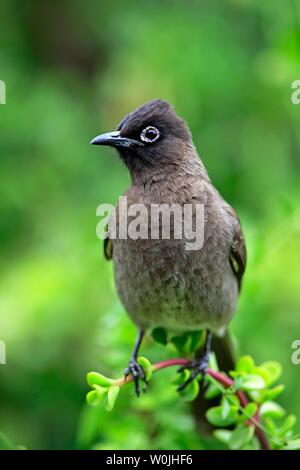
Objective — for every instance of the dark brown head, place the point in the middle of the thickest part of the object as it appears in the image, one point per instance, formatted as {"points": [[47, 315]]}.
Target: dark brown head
{"points": [[150, 136]]}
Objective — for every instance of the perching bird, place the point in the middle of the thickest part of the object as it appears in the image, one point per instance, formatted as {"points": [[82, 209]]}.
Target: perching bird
{"points": [[162, 283]]}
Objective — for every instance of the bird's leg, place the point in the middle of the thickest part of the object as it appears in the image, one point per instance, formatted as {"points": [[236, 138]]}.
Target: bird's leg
{"points": [[199, 366], [134, 368]]}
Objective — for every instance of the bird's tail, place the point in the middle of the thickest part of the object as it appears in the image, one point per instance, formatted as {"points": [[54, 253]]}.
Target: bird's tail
{"points": [[224, 351]]}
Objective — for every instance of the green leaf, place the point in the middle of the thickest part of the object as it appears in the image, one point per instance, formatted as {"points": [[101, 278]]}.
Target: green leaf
{"points": [[100, 390], [253, 444], [112, 394], [225, 407], [241, 436], [288, 425], [252, 382], [146, 366], [273, 369], [182, 343], [245, 364], [271, 409], [213, 364], [270, 425], [249, 411], [263, 373], [233, 399], [223, 435], [190, 392], [214, 416], [238, 380], [93, 398], [212, 391], [293, 444], [181, 377], [255, 395], [160, 335], [94, 378], [273, 393]]}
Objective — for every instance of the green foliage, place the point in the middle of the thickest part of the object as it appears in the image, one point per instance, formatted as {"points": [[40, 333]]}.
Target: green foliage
{"points": [[258, 382], [191, 391], [188, 343], [103, 388], [147, 367], [259, 412], [160, 335]]}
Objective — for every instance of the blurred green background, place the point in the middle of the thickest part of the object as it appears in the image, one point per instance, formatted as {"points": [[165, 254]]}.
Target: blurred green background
{"points": [[74, 69]]}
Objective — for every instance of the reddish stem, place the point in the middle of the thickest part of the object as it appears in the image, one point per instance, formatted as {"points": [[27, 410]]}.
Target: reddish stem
{"points": [[222, 379]]}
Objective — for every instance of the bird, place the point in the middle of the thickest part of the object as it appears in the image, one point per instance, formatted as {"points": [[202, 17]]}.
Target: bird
{"points": [[162, 283]]}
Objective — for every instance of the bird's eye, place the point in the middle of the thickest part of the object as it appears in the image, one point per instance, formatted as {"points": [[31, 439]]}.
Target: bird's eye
{"points": [[150, 134]]}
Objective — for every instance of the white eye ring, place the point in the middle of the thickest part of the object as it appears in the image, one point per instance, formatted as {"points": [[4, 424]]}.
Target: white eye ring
{"points": [[148, 130]]}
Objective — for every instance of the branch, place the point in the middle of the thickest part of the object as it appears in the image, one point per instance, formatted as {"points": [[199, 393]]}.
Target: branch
{"points": [[222, 379]]}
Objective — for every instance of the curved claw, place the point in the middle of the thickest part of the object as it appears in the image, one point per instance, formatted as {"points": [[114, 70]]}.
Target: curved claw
{"points": [[137, 373], [199, 367]]}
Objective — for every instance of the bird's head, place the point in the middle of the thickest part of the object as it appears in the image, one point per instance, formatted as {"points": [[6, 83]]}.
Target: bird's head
{"points": [[151, 136]]}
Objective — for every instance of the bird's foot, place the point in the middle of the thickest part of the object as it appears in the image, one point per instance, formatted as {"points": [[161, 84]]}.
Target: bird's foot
{"points": [[197, 367], [138, 374]]}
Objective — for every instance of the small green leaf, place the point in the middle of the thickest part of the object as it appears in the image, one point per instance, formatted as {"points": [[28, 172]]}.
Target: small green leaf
{"points": [[271, 409], [273, 393], [212, 391], [288, 425], [180, 342], [241, 436], [271, 426], [160, 335], [245, 364], [233, 399], [94, 378], [92, 398], [111, 397], [255, 395], [181, 377], [293, 444], [225, 407], [253, 444], [249, 411], [100, 390], [214, 416], [190, 392], [213, 364], [273, 369], [146, 366], [223, 435], [238, 380], [252, 382], [263, 373]]}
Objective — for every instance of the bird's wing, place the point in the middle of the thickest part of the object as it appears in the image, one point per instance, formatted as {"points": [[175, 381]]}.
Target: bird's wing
{"points": [[238, 254], [108, 248]]}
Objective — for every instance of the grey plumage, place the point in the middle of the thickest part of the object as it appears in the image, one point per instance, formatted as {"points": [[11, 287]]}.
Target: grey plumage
{"points": [[160, 282]]}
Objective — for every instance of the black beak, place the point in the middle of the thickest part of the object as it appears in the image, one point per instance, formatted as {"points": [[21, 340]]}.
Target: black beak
{"points": [[113, 139]]}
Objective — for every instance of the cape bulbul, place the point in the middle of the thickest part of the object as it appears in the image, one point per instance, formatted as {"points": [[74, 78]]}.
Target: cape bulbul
{"points": [[162, 283]]}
